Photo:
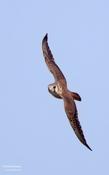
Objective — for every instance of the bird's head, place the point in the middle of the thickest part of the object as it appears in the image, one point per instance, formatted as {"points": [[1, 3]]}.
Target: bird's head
{"points": [[52, 87]]}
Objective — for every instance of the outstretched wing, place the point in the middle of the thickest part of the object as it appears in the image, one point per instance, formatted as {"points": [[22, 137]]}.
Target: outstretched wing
{"points": [[53, 67], [72, 114]]}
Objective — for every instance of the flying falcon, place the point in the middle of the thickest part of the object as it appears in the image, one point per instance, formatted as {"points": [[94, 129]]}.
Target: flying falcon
{"points": [[59, 90]]}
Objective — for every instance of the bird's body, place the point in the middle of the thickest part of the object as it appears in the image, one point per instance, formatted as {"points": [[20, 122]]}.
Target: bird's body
{"points": [[59, 90]]}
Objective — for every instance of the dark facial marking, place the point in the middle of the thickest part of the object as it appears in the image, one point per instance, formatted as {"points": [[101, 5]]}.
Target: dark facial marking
{"points": [[54, 88]]}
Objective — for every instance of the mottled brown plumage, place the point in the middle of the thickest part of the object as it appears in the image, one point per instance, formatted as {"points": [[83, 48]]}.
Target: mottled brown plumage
{"points": [[60, 91]]}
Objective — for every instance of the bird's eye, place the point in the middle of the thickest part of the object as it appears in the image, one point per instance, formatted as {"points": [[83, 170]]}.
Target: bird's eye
{"points": [[54, 87]]}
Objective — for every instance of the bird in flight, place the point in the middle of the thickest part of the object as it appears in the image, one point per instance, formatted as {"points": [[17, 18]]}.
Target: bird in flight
{"points": [[59, 90]]}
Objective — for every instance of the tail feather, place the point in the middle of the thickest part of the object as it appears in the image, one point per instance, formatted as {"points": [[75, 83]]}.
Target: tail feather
{"points": [[76, 96]]}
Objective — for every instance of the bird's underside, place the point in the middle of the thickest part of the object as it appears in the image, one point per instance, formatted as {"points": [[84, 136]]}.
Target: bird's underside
{"points": [[60, 91]]}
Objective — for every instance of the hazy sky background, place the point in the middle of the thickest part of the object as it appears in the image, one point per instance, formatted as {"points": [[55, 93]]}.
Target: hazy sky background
{"points": [[34, 130]]}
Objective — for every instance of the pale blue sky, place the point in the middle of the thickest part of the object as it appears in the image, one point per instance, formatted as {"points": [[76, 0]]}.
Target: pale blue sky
{"points": [[34, 130]]}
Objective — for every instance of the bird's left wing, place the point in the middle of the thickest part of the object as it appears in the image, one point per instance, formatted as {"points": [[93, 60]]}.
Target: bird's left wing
{"points": [[53, 67], [71, 112]]}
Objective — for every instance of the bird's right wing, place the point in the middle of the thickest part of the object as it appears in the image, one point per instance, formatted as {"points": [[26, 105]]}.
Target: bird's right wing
{"points": [[53, 67], [71, 112]]}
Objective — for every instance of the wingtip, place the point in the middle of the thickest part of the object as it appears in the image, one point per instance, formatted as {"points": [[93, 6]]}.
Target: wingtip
{"points": [[88, 147], [45, 37]]}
